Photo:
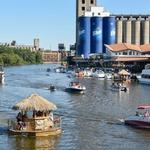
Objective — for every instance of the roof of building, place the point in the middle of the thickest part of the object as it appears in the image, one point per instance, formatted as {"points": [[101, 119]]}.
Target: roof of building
{"points": [[125, 46], [125, 59], [145, 48]]}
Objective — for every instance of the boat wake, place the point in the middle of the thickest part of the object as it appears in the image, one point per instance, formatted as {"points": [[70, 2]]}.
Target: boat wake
{"points": [[116, 122]]}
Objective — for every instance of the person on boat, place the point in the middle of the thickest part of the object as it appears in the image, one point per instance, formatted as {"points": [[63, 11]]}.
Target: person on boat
{"points": [[24, 117], [137, 113], [19, 117], [146, 114]]}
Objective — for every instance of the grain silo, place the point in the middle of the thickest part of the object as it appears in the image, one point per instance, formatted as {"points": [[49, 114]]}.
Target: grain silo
{"points": [[119, 30], [109, 31], [146, 31], [96, 34], [137, 31], [84, 36], [128, 30]]}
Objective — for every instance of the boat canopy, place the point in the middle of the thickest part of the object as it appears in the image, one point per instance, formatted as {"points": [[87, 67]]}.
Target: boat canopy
{"points": [[144, 107], [35, 103]]}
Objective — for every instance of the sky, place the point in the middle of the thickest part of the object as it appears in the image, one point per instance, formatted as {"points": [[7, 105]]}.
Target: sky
{"points": [[53, 21]]}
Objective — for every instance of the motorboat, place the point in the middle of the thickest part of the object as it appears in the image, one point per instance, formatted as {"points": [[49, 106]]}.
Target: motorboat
{"points": [[2, 75], [145, 75], [48, 70], [140, 120], [52, 87], [87, 73], [57, 70], [60, 70], [99, 74], [75, 87], [118, 87], [108, 76]]}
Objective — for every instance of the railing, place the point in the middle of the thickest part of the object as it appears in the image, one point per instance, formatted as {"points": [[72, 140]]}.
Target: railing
{"points": [[57, 122], [28, 126], [14, 125]]}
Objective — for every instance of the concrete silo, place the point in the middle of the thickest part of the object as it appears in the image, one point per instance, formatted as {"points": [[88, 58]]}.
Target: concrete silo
{"points": [[137, 33], [128, 30], [146, 29], [119, 30]]}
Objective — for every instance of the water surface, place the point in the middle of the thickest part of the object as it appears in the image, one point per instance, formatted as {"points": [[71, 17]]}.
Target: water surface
{"points": [[90, 121]]}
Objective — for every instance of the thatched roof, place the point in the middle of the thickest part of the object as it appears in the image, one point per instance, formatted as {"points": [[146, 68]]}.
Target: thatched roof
{"points": [[35, 102], [124, 72]]}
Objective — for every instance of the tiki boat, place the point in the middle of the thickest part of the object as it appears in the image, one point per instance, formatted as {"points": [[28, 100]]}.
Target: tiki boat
{"points": [[35, 118]]}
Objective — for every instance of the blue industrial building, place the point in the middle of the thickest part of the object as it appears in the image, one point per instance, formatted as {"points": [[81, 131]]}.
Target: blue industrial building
{"points": [[94, 32]]}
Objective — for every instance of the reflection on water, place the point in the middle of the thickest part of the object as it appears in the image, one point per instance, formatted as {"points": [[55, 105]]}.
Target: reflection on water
{"points": [[91, 121], [34, 143]]}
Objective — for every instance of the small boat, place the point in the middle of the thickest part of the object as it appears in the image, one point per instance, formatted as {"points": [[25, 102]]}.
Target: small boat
{"points": [[52, 88], [35, 118], [87, 73], [108, 76], [75, 87], [140, 120], [118, 87], [2, 75], [48, 70], [99, 74], [145, 75], [57, 70]]}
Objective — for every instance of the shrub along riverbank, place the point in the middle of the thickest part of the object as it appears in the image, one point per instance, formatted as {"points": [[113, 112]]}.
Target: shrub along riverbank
{"points": [[13, 56]]}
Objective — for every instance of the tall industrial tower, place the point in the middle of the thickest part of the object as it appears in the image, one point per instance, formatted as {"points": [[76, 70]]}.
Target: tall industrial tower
{"points": [[81, 7], [36, 43], [84, 5]]}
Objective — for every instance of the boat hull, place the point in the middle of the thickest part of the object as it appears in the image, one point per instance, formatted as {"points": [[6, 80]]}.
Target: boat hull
{"points": [[144, 81], [74, 90], [140, 122], [52, 132]]}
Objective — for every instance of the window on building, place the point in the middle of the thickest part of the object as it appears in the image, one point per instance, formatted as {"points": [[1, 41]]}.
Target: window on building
{"points": [[83, 8], [130, 52], [92, 14], [99, 14], [133, 53], [119, 53], [124, 53], [137, 53], [83, 1], [92, 1]]}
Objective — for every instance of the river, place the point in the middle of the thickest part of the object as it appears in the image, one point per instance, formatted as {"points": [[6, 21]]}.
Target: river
{"points": [[91, 121]]}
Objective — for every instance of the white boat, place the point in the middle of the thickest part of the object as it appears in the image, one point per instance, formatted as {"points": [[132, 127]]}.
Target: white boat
{"points": [[99, 74], [87, 73], [140, 120], [2, 75], [60, 70], [145, 75], [57, 70], [108, 76], [75, 87]]}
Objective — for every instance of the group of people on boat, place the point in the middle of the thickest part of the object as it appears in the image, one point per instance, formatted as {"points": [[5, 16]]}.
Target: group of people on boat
{"points": [[118, 86], [145, 114]]}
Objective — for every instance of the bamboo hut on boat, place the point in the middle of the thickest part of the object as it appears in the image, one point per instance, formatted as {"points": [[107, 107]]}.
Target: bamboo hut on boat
{"points": [[35, 118], [124, 75]]}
